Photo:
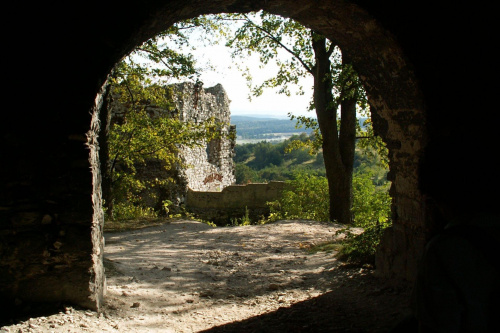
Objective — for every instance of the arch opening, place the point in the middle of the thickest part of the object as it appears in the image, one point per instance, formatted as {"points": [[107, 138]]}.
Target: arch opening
{"points": [[397, 107]]}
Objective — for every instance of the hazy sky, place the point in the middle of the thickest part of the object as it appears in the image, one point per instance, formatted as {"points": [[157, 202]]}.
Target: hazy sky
{"points": [[269, 104]]}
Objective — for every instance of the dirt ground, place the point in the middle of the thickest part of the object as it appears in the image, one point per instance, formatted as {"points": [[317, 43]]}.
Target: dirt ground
{"points": [[185, 276]]}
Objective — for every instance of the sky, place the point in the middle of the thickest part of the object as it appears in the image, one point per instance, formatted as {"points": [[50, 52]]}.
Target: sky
{"points": [[270, 103]]}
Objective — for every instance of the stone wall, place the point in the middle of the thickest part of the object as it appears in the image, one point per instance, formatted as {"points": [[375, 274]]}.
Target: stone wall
{"points": [[209, 167], [233, 202]]}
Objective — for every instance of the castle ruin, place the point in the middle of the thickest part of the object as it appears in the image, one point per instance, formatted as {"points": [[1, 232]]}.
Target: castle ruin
{"points": [[208, 167], [212, 166]]}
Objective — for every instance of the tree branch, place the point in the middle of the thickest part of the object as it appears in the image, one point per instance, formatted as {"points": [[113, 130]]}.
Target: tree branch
{"points": [[161, 58], [274, 39]]}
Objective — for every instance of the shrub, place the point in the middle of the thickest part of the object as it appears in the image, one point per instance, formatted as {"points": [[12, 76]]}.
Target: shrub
{"points": [[305, 197], [128, 211], [371, 211]]}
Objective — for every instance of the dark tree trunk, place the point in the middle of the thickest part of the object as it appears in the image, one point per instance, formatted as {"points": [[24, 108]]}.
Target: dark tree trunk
{"points": [[338, 146]]}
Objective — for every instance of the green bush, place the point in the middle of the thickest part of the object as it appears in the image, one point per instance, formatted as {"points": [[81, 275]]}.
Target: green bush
{"points": [[360, 249], [371, 204], [371, 210], [305, 197], [128, 211], [244, 174]]}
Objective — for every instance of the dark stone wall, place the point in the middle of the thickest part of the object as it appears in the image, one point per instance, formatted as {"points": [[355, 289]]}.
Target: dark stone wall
{"points": [[426, 66]]}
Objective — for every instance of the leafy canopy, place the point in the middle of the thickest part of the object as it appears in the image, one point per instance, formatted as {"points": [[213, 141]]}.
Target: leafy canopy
{"points": [[288, 45], [140, 135]]}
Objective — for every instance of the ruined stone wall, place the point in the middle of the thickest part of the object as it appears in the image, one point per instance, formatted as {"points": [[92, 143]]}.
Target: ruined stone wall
{"points": [[233, 201], [212, 166], [209, 166]]}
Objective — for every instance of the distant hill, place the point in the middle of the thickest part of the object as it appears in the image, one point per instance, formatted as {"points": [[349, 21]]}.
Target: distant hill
{"points": [[255, 128], [257, 117]]}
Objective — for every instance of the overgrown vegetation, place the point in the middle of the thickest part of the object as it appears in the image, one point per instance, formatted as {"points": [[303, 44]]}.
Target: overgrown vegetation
{"points": [[265, 161], [372, 212], [305, 196], [137, 138], [300, 161]]}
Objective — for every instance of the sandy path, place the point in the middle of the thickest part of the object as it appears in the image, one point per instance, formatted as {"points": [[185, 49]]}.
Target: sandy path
{"points": [[185, 276]]}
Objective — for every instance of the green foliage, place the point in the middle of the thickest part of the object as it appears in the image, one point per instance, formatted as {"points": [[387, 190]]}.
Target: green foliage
{"points": [[371, 205], [371, 209], [314, 142], [305, 197], [127, 211], [245, 174], [268, 36], [372, 144], [138, 138], [242, 153], [266, 155], [299, 158], [167, 55], [369, 161], [243, 221], [360, 249], [300, 155]]}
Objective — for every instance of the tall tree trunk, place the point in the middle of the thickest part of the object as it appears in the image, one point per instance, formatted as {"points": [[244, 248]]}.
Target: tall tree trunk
{"points": [[338, 146], [347, 145]]}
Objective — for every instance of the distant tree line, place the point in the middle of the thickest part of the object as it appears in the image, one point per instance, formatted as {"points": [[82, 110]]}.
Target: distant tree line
{"points": [[266, 161], [248, 128]]}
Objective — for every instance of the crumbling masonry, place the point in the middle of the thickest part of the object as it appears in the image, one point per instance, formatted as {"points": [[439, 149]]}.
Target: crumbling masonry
{"points": [[209, 167], [212, 165]]}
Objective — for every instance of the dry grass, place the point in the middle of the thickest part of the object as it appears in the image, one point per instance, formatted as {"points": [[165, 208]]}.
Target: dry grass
{"points": [[134, 224]]}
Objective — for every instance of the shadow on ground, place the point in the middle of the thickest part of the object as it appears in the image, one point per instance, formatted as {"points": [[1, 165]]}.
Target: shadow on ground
{"points": [[360, 303]]}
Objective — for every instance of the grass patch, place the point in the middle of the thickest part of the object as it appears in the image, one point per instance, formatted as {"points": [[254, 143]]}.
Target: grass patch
{"points": [[134, 224], [328, 247]]}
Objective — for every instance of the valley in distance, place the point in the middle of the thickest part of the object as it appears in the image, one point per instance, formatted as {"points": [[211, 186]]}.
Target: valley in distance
{"points": [[257, 128]]}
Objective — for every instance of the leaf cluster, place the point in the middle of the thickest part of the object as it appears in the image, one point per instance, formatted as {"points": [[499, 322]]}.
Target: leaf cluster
{"points": [[146, 129], [305, 197], [273, 38]]}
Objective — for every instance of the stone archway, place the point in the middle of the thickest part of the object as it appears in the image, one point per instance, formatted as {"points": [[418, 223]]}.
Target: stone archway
{"points": [[51, 204], [394, 95]]}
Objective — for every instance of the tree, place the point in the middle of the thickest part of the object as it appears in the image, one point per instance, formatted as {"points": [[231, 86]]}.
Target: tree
{"points": [[136, 138], [336, 89], [302, 198], [244, 174], [266, 154]]}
